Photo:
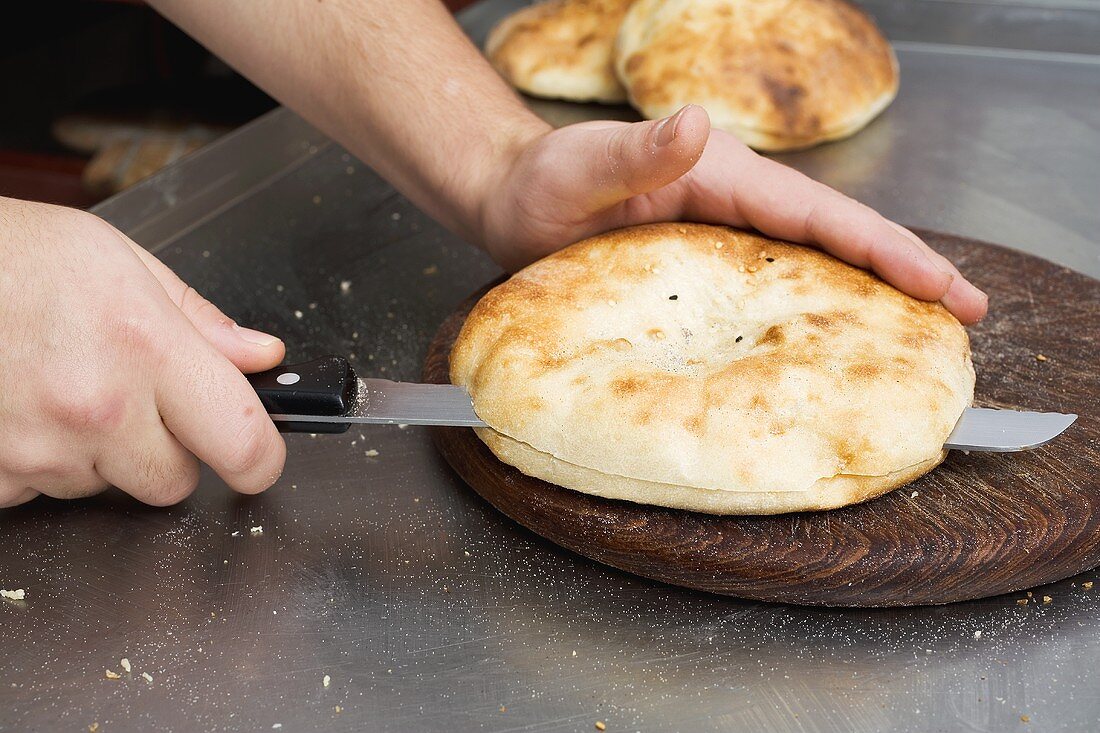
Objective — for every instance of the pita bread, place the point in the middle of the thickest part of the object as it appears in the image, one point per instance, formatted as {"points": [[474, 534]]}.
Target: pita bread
{"points": [[778, 74], [560, 49], [710, 369]]}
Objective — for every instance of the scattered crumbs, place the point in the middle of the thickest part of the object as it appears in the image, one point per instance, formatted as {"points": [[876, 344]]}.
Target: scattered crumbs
{"points": [[326, 681], [93, 728], [258, 529], [298, 314], [396, 216], [389, 671], [446, 589], [14, 595], [914, 495], [125, 664], [1047, 599], [316, 199], [213, 615], [1087, 585], [1025, 718], [148, 677], [466, 553], [345, 286], [111, 674], [338, 709], [1040, 357], [719, 245], [574, 652], [1030, 594], [235, 534], [503, 709], [977, 634], [371, 453], [416, 500], [1021, 602], [600, 725]]}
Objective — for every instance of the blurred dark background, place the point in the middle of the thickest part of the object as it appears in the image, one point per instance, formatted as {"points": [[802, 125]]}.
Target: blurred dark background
{"points": [[98, 94]]}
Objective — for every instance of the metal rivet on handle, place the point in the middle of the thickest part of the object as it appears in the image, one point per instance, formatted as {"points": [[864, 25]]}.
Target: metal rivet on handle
{"points": [[288, 378]]}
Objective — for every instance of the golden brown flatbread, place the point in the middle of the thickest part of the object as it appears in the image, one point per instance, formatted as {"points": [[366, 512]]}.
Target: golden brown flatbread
{"points": [[778, 74], [710, 369], [560, 49]]}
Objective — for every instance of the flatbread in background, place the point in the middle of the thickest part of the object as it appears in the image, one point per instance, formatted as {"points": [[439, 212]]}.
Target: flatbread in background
{"points": [[778, 74], [560, 49], [710, 369]]}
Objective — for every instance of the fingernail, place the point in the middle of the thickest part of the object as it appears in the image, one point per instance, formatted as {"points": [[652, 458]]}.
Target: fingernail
{"points": [[666, 130], [259, 338]]}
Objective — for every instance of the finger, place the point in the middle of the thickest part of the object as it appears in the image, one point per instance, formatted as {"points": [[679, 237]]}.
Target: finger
{"points": [[968, 303], [210, 408], [14, 493], [148, 463], [608, 164], [249, 350], [75, 483], [783, 203]]}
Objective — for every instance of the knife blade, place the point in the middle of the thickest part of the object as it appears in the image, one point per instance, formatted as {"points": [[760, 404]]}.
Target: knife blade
{"points": [[326, 396]]}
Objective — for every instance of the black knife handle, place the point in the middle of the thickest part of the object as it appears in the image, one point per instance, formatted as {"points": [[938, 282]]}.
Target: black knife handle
{"points": [[323, 387]]}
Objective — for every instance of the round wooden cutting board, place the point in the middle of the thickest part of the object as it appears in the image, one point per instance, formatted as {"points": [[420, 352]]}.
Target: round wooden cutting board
{"points": [[979, 525]]}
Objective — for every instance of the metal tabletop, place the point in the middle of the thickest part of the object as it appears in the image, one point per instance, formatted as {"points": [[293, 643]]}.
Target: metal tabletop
{"points": [[427, 610]]}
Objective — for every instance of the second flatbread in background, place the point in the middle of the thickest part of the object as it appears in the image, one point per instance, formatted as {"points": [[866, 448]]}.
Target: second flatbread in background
{"points": [[561, 49], [778, 74]]}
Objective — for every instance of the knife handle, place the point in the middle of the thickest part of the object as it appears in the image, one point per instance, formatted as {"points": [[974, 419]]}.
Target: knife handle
{"points": [[322, 387]]}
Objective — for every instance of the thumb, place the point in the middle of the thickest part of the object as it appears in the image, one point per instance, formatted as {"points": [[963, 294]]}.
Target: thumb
{"points": [[249, 350], [619, 162]]}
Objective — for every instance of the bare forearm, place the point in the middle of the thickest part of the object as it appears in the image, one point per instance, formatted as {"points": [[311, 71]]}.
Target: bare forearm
{"points": [[397, 83]]}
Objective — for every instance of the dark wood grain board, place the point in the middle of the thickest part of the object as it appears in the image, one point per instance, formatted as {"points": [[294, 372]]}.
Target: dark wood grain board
{"points": [[979, 525]]}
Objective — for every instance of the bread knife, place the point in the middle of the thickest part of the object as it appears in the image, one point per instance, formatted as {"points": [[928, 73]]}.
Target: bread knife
{"points": [[326, 396]]}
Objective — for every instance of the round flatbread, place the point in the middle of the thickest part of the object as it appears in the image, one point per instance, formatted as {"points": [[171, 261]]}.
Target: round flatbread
{"points": [[560, 49], [778, 74], [710, 369]]}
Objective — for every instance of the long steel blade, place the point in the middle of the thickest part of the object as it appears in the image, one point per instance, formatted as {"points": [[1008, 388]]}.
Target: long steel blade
{"points": [[384, 402], [1003, 431]]}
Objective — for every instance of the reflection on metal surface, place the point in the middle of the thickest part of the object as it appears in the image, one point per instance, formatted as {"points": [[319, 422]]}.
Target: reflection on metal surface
{"points": [[427, 609]]}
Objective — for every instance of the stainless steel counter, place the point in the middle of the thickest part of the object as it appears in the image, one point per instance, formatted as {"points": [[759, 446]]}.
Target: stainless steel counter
{"points": [[427, 609]]}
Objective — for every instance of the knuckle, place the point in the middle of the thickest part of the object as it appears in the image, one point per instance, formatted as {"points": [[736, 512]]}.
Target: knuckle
{"points": [[254, 456], [174, 483], [134, 329], [91, 410]]}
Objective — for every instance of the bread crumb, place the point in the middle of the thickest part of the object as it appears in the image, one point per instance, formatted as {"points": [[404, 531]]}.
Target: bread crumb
{"points": [[466, 553], [719, 245], [338, 709], [316, 199], [396, 216], [1047, 599], [258, 529], [752, 268], [14, 595], [1021, 602], [1040, 357], [914, 495], [430, 270], [682, 231], [235, 534], [298, 314], [371, 453], [148, 677], [1087, 585], [574, 652], [345, 286], [1030, 594], [111, 674], [125, 664], [93, 727], [977, 634], [326, 681], [600, 725], [503, 709], [1025, 718]]}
